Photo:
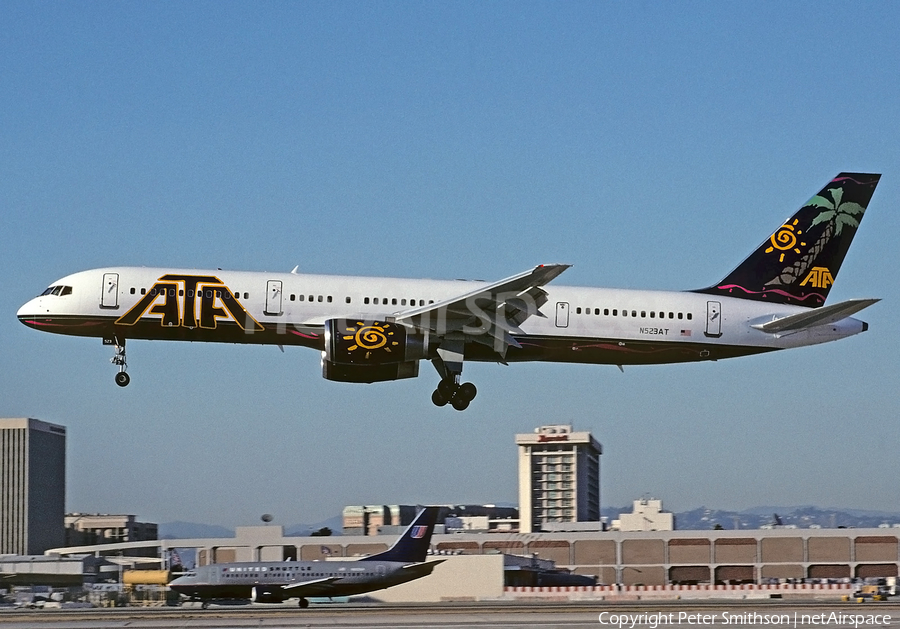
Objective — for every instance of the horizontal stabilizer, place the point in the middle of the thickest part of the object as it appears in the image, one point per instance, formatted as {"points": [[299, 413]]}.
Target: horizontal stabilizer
{"points": [[818, 316]]}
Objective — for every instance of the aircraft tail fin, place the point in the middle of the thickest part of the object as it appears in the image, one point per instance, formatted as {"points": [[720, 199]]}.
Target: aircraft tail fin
{"points": [[412, 546], [800, 261]]}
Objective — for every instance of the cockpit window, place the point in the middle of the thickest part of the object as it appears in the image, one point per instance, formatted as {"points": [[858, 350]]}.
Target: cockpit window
{"points": [[58, 290]]}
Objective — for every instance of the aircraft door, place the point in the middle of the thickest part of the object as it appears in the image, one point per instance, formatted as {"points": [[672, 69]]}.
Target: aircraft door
{"points": [[713, 319], [562, 314], [109, 298], [380, 570], [273, 297]]}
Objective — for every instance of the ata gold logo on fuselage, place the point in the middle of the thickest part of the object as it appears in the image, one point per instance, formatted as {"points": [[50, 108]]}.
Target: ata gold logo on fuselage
{"points": [[819, 277], [191, 301]]}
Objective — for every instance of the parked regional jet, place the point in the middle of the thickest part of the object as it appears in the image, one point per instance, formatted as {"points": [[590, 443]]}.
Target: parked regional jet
{"points": [[278, 581], [374, 329]]}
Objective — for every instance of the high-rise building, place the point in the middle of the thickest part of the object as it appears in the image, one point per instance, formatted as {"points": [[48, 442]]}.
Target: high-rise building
{"points": [[33, 486], [559, 477]]}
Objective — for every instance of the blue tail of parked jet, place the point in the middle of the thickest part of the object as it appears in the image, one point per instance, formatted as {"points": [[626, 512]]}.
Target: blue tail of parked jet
{"points": [[800, 261], [412, 547]]}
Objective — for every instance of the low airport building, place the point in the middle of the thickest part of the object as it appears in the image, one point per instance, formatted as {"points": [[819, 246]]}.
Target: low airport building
{"points": [[622, 561]]}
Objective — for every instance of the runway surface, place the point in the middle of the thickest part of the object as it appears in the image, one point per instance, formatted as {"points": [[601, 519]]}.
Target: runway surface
{"points": [[642, 615]]}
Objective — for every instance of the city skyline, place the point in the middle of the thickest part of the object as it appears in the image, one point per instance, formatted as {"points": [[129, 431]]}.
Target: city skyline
{"points": [[650, 147]]}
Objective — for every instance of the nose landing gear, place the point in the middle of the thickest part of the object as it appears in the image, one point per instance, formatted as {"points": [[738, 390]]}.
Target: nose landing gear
{"points": [[122, 378]]}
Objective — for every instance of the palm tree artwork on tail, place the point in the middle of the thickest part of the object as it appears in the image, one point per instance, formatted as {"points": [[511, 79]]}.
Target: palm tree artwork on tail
{"points": [[836, 215]]}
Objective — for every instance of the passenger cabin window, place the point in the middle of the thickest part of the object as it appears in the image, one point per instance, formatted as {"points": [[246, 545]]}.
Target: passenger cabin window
{"points": [[347, 299], [366, 300]]}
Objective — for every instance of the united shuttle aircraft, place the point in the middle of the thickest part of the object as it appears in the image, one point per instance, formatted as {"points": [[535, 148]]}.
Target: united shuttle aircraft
{"points": [[278, 581], [374, 329]]}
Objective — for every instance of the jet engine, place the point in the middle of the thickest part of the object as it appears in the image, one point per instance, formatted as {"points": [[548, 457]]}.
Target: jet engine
{"points": [[262, 594], [372, 351]]}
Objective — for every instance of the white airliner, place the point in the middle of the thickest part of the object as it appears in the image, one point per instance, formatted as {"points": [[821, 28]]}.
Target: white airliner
{"points": [[373, 329]]}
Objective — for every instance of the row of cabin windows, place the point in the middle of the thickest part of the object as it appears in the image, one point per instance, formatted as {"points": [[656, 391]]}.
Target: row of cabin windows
{"points": [[395, 302], [634, 313], [209, 293], [319, 298]]}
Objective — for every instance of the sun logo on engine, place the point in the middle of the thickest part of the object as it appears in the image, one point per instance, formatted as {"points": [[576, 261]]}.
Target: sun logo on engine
{"points": [[370, 337], [786, 238]]}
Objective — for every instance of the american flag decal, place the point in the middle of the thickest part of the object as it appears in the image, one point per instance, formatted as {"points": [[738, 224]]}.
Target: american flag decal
{"points": [[685, 333], [418, 532]]}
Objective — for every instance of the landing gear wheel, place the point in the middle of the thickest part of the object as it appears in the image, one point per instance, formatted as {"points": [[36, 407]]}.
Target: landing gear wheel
{"points": [[438, 399], [122, 379], [460, 404], [467, 391], [204, 605], [447, 389], [304, 603]]}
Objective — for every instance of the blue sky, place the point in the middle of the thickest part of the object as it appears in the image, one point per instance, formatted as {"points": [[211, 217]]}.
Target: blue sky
{"points": [[651, 145]]}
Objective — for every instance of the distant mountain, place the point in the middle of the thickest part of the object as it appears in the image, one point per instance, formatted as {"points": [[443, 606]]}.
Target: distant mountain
{"points": [[701, 518], [190, 530], [800, 517]]}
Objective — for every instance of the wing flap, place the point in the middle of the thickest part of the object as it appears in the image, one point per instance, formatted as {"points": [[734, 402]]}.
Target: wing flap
{"points": [[814, 317], [491, 313], [309, 588]]}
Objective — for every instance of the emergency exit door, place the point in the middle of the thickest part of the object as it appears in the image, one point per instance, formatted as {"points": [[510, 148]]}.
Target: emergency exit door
{"points": [[713, 319], [109, 298], [562, 314], [273, 297]]}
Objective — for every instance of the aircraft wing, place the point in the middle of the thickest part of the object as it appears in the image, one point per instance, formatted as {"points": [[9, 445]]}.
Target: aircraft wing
{"points": [[314, 587], [815, 316], [489, 313]]}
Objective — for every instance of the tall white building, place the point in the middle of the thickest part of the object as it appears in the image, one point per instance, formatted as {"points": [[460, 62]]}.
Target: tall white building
{"points": [[32, 486], [559, 477]]}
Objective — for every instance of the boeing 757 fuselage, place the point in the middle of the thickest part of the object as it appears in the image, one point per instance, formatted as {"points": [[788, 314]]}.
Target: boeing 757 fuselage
{"points": [[373, 329]]}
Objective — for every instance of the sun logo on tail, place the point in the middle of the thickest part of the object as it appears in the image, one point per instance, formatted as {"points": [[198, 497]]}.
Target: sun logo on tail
{"points": [[785, 239]]}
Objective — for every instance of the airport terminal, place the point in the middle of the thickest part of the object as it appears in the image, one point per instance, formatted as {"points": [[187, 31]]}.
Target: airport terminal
{"points": [[555, 545]]}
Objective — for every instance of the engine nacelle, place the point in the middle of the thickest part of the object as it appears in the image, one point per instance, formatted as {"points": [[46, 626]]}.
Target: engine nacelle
{"points": [[369, 373], [263, 594], [372, 351]]}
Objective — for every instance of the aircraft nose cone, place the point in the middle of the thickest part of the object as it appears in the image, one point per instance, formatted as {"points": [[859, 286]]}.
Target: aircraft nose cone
{"points": [[28, 310]]}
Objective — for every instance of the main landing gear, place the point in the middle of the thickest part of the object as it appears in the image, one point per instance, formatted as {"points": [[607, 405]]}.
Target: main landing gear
{"points": [[449, 365], [122, 378], [455, 394]]}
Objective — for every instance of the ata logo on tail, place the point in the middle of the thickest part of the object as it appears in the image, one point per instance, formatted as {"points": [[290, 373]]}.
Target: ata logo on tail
{"points": [[819, 277]]}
